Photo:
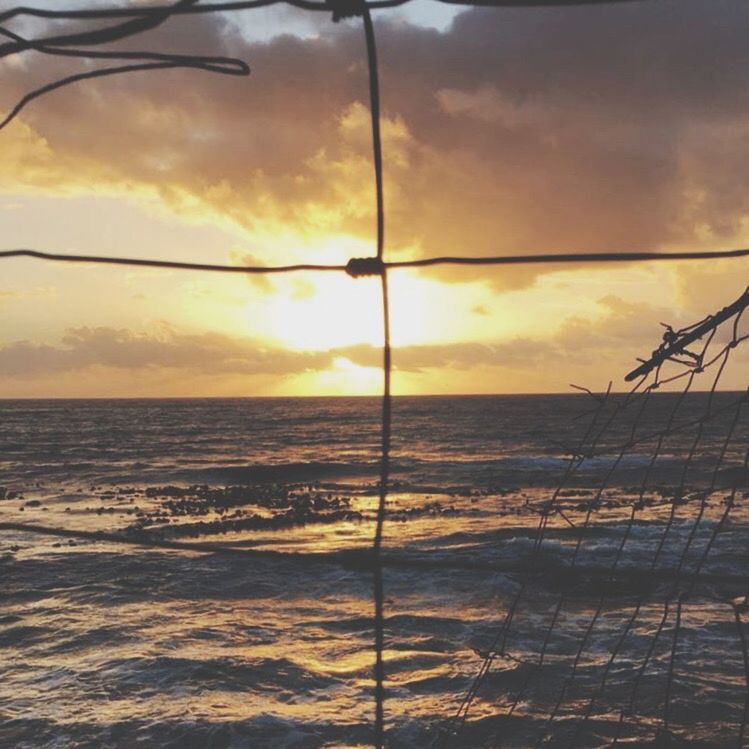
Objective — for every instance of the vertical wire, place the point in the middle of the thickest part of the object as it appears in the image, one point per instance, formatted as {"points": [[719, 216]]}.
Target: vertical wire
{"points": [[379, 636], [745, 655], [374, 107], [499, 643], [671, 667], [593, 504], [630, 708], [381, 510]]}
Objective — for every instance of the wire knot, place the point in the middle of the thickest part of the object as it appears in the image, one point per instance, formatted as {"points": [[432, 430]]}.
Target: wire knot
{"points": [[365, 266], [346, 8]]}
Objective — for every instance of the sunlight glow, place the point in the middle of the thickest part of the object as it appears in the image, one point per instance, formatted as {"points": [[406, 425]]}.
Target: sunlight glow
{"points": [[326, 312]]}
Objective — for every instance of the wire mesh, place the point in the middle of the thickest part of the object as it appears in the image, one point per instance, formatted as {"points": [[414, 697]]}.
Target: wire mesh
{"points": [[687, 583]]}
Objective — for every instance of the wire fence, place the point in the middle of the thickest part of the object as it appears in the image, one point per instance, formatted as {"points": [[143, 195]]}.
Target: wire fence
{"points": [[676, 582], [728, 472]]}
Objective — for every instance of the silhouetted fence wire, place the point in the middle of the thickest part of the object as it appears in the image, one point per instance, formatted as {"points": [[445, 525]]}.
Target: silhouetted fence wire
{"points": [[130, 22], [372, 266], [682, 585]]}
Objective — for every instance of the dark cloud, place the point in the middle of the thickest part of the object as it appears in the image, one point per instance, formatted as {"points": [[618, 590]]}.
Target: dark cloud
{"points": [[516, 131]]}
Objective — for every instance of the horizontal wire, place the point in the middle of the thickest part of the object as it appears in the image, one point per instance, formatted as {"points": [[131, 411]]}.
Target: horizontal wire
{"points": [[214, 63], [600, 257], [140, 21], [230, 67], [169, 264], [573, 257], [104, 13]]}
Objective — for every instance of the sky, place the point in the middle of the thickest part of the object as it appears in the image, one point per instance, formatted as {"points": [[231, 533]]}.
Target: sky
{"points": [[505, 131]]}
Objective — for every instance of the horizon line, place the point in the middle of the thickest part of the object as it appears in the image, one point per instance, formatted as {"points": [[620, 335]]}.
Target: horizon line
{"points": [[339, 397]]}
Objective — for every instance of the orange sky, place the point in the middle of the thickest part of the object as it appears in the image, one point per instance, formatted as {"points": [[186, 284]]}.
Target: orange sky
{"points": [[505, 131]]}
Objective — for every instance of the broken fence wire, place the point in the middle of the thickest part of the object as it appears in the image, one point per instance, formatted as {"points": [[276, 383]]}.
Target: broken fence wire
{"points": [[682, 585]]}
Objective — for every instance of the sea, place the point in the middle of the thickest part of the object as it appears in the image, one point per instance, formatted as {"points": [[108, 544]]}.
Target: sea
{"points": [[559, 570]]}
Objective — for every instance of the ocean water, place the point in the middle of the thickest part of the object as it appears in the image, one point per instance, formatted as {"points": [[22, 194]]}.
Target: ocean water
{"points": [[261, 636]]}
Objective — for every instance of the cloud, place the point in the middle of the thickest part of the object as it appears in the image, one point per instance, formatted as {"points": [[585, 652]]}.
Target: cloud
{"points": [[205, 353], [518, 353], [622, 327], [514, 131], [214, 353]]}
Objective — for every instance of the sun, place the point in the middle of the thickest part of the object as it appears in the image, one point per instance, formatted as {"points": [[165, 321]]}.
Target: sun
{"points": [[335, 311]]}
